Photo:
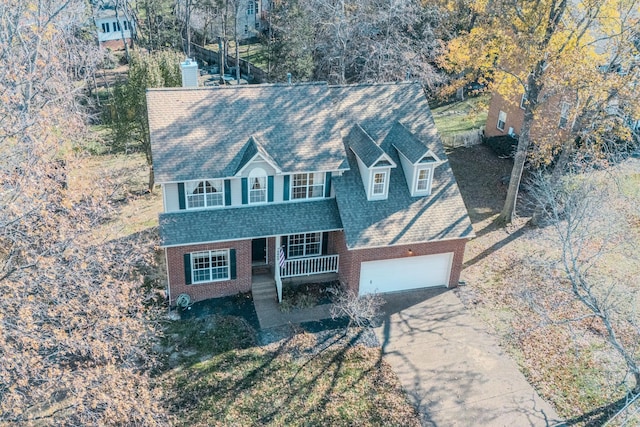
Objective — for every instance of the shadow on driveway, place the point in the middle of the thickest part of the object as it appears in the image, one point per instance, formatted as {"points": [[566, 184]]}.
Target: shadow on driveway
{"points": [[452, 369]]}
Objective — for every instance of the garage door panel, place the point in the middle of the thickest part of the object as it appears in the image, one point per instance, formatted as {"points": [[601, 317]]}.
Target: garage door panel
{"points": [[402, 274]]}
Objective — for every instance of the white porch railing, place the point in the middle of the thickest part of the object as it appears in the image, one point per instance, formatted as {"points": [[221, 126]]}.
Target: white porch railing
{"points": [[308, 266]]}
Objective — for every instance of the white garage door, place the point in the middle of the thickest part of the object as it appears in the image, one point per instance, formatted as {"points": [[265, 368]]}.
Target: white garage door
{"points": [[402, 274]]}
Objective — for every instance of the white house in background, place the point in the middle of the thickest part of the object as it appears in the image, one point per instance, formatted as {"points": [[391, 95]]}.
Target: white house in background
{"points": [[112, 25], [251, 20]]}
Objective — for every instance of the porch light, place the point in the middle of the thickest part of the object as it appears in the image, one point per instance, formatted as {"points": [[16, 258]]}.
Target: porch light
{"points": [[410, 252]]}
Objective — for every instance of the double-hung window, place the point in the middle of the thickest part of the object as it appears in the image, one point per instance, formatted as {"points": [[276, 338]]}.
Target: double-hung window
{"points": [[210, 266], [422, 181], [502, 120], [304, 245], [250, 7], [204, 194], [379, 182], [307, 185], [258, 188]]}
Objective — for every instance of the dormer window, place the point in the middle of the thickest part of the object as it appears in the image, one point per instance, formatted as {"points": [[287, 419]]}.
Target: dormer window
{"points": [[204, 194], [379, 183], [422, 180], [258, 186]]}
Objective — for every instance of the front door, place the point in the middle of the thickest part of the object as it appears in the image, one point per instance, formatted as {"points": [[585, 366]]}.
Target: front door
{"points": [[259, 251]]}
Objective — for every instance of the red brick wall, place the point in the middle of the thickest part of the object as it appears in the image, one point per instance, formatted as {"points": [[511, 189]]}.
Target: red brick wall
{"points": [[546, 121], [515, 115], [202, 291], [350, 260]]}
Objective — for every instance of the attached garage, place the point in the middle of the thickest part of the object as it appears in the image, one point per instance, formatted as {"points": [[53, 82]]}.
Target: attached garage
{"points": [[401, 274]]}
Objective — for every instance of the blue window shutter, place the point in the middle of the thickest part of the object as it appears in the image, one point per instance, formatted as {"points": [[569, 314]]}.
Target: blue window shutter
{"points": [[187, 269], [327, 184], [182, 203], [232, 263], [285, 196], [227, 192], [245, 191], [269, 188]]}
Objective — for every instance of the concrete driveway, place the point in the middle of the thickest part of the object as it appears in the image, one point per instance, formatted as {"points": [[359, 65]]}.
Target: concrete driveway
{"points": [[452, 368]]}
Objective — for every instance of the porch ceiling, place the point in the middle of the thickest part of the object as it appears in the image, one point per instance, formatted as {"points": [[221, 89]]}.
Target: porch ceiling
{"points": [[212, 225]]}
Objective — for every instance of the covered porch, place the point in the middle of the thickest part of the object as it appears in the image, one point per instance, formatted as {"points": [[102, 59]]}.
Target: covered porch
{"points": [[293, 259]]}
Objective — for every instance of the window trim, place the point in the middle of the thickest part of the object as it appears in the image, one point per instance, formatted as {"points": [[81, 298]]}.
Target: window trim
{"points": [[257, 173], [427, 180], [306, 186], [304, 245], [523, 100], [373, 183], [504, 122], [188, 193], [210, 254]]}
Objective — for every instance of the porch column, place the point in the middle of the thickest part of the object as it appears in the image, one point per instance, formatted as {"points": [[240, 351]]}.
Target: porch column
{"points": [[277, 268]]}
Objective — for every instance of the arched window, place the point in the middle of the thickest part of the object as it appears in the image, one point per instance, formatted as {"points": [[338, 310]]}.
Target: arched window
{"points": [[257, 186]]}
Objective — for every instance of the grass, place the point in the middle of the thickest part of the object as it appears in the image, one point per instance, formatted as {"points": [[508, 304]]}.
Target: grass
{"points": [[216, 375], [510, 287], [255, 52], [212, 371], [461, 116]]}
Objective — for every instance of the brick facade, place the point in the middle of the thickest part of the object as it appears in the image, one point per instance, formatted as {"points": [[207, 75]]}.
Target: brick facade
{"points": [[547, 118], [202, 291], [515, 115], [348, 270], [350, 260]]}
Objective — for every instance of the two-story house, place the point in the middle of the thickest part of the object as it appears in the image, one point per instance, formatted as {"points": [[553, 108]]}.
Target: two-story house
{"points": [[114, 26], [303, 180]]}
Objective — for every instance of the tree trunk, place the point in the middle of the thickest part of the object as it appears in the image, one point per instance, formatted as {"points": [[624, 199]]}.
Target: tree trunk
{"points": [[151, 179], [509, 209]]}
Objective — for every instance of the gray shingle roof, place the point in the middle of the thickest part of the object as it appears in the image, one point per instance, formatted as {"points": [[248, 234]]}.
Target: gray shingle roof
{"points": [[377, 107], [252, 148], [201, 132], [190, 227], [365, 148], [407, 143], [401, 219]]}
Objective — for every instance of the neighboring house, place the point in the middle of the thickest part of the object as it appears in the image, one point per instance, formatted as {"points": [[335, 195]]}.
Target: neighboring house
{"points": [[505, 116], [249, 18], [349, 180], [112, 26]]}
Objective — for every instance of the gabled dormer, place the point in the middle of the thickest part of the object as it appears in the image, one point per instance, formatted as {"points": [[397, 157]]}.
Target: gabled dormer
{"points": [[417, 160], [256, 172], [374, 164]]}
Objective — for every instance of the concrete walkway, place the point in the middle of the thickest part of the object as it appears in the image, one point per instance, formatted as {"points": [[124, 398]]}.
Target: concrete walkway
{"points": [[452, 369], [265, 300]]}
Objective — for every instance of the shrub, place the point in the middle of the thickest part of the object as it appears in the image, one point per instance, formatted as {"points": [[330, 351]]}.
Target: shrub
{"points": [[503, 145]]}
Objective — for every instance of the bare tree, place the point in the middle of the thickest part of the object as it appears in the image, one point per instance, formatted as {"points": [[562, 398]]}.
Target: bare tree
{"points": [[362, 311], [73, 328], [589, 224]]}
